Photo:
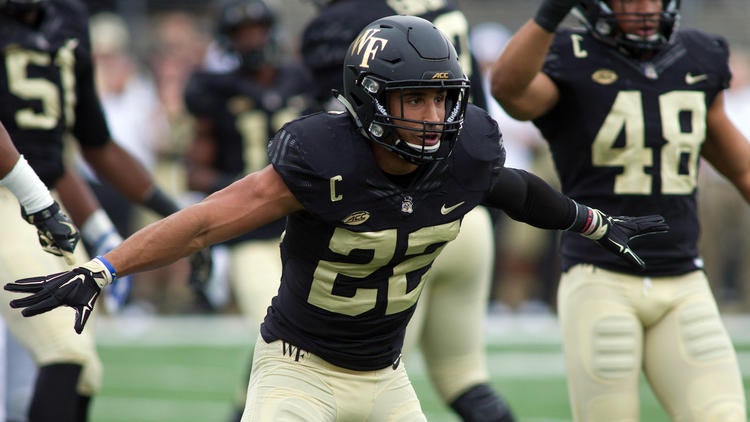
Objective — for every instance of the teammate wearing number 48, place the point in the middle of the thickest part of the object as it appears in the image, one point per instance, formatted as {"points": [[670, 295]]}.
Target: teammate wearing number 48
{"points": [[362, 191], [629, 105]]}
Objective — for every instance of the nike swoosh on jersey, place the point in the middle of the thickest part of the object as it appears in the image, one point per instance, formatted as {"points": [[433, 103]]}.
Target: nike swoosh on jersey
{"points": [[691, 79], [445, 210]]}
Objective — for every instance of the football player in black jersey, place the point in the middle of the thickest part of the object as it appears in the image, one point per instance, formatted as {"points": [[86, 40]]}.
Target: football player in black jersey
{"points": [[236, 112], [46, 91], [629, 105], [450, 320], [371, 195]]}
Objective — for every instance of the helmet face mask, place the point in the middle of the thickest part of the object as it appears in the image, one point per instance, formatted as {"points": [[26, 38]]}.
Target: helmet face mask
{"points": [[606, 25], [397, 55]]}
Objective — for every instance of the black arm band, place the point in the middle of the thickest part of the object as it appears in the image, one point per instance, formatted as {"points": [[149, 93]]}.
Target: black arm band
{"points": [[584, 217], [549, 15], [529, 199], [158, 201]]}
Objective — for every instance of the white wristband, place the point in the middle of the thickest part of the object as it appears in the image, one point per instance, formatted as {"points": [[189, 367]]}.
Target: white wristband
{"points": [[24, 183], [101, 270], [100, 233]]}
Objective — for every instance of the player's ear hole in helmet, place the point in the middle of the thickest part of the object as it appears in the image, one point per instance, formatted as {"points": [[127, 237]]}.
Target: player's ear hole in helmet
{"points": [[398, 54], [605, 25], [234, 16]]}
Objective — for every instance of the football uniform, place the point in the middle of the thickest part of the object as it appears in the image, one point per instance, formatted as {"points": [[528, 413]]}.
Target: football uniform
{"points": [[46, 89], [244, 116], [626, 138], [459, 357], [356, 259]]}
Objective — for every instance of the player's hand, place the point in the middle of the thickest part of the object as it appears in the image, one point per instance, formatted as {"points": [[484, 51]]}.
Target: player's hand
{"points": [[57, 233], [78, 288], [615, 233], [552, 12], [201, 265], [117, 293]]}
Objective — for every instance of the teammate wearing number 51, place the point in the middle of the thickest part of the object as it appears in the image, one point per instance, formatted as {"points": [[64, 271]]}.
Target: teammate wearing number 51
{"points": [[629, 105], [372, 195], [47, 93]]}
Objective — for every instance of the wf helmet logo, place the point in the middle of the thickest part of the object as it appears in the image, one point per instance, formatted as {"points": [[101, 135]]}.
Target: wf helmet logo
{"points": [[371, 45]]}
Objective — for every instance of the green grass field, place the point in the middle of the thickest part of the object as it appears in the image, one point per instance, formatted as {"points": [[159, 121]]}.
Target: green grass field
{"points": [[186, 369]]}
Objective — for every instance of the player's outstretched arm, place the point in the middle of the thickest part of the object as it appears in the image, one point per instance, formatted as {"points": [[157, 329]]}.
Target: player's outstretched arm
{"points": [[517, 82], [249, 203], [527, 198]]}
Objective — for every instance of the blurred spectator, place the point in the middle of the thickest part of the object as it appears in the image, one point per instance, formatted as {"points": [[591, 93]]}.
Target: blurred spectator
{"points": [[725, 244], [524, 281]]}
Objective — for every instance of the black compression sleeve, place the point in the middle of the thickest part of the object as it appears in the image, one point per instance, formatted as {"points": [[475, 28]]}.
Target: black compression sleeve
{"points": [[529, 199], [158, 201]]}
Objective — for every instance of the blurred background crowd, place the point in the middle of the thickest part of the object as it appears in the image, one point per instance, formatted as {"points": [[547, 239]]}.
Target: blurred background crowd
{"points": [[145, 51]]}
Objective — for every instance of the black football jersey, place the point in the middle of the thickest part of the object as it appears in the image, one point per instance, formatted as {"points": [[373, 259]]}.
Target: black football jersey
{"points": [[355, 260], [245, 116], [327, 36], [47, 86], [626, 138]]}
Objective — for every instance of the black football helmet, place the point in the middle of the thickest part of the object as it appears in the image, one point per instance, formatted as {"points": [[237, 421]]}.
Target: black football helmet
{"points": [[397, 53], [233, 14], [598, 18]]}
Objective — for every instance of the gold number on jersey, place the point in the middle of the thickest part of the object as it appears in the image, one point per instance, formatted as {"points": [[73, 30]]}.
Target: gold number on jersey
{"points": [[20, 84], [253, 126], [681, 144], [682, 147], [382, 245]]}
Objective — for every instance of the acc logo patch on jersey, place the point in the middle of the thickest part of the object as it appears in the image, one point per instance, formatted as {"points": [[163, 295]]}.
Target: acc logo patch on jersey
{"points": [[356, 218], [604, 76], [371, 44]]}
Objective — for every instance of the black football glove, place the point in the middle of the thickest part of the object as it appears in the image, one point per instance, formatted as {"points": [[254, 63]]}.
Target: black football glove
{"points": [[78, 288], [201, 265], [552, 12], [57, 233], [615, 233]]}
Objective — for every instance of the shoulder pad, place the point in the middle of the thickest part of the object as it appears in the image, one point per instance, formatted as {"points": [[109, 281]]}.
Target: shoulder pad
{"points": [[711, 51], [559, 54], [308, 151], [480, 136], [479, 153]]}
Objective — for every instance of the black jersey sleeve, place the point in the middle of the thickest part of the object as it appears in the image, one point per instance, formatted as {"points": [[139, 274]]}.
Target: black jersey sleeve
{"points": [[529, 199], [307, 152], [90, 127], [480, 141], [710, 51]]}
